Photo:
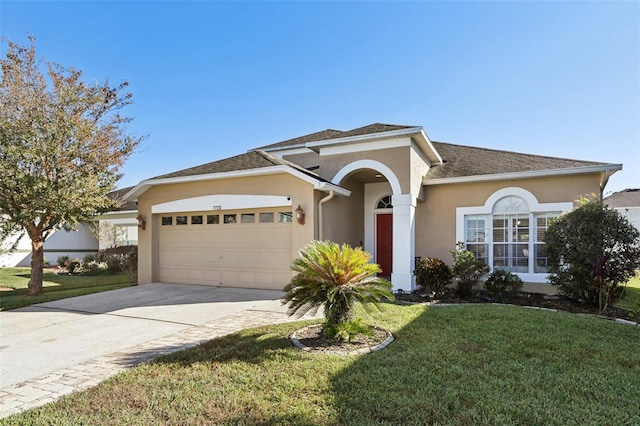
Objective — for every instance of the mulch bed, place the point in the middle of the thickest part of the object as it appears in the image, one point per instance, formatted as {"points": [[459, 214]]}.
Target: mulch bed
{"points": [[313, 339], [558, 302]]}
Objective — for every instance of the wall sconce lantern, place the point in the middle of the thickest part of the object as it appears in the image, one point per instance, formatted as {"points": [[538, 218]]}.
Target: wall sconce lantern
{"points": [[300, 215], [142, 224]]}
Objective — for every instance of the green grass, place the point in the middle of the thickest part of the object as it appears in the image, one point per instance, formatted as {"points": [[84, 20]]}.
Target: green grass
{"points": [[462, 365], [55, 286], [631, 297]]}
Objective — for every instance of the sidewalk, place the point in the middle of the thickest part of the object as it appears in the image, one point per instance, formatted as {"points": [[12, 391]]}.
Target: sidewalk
{"points": [[42, 390]]}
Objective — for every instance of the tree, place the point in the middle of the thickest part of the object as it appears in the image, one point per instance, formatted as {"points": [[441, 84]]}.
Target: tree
{"points": [[336, 277], [592, 250], [62, 145]]}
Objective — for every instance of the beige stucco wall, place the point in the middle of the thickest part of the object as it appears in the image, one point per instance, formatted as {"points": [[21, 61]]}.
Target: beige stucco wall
{"points": [[283, 184], [344, 216], [405, 162], [436, 216]]}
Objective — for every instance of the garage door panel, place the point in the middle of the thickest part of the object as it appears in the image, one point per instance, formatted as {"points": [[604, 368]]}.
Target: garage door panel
{"points": [[234, 255]]}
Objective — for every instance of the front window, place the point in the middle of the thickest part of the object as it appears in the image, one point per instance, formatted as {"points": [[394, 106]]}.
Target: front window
{"points": [[510, 238]]}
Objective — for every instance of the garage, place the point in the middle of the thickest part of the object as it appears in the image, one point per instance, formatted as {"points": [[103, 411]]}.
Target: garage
{"points": [[232, 248]]}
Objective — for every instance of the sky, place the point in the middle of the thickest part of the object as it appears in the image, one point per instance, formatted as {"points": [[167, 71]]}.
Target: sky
{"points": [[215, 79]]}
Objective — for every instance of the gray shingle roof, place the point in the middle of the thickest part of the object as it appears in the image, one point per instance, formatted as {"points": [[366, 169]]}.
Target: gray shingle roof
{"points": [[255, 159], [462, 161], [629, 197], [327, 134], [126, 205], [246, 161]]}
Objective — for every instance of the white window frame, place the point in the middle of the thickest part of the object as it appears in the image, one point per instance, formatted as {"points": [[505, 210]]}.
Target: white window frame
{"points": [[535, 208]]}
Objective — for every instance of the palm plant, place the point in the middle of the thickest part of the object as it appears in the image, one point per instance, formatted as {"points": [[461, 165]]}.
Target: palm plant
{"points": [[336, 277]]}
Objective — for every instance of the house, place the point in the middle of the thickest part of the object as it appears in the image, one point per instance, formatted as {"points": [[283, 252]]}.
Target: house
{"points": [[117, 227], [241, 220], [627, 203], [73, 244]]}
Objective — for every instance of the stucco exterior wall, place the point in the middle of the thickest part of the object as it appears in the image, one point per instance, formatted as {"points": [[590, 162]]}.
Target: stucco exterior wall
{"points": [[436, 216], [405, 162], [282, 184], [344, 216]]}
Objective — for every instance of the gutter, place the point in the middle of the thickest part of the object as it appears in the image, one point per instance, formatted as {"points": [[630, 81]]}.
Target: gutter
{"points": [[320, 203]]}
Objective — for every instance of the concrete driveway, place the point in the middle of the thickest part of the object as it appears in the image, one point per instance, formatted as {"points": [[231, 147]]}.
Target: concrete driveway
{"points": [[40, 340]]}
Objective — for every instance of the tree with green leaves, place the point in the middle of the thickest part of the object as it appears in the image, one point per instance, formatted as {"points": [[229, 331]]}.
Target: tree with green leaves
{"points": [[592, 250], [63, 143], [336, 277]]}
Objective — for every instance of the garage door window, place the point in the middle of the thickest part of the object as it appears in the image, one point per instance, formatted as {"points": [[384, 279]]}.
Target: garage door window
{"points": [[181, 220], [196, 220], [247, 218], [284, 217], [229, 218], [213, 219], [167, 220], [266, 217]]}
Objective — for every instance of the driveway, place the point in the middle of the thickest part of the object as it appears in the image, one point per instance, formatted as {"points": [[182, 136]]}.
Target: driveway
{"points": [[39, 340]]}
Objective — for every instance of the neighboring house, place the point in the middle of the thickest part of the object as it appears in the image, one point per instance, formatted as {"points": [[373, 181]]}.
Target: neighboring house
{"points": [[118, 227], [60, 243], [627, 202], [241, 220]]}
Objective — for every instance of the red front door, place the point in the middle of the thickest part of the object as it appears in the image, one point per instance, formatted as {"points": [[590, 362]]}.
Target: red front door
{"points": [[384, 243]]}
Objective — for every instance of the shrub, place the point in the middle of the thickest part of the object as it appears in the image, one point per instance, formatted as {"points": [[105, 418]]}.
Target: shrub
{"points": [[503, 284], [466, 269], [93, 268], [122, 259], [73, 265], [592, 250], [62, 260], [88, 259], [432, 275], [347, 331], [336, 277]]}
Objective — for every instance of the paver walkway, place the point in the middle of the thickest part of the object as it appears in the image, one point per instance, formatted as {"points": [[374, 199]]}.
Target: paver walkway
{"points": [[48, 388]]}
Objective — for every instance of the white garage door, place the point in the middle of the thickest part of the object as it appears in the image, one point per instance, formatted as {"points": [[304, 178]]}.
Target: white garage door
{"points": [[250, 249]]}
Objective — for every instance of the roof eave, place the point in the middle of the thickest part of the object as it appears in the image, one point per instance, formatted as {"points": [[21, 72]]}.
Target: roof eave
{"points": [[143, 186], [612, 168]]}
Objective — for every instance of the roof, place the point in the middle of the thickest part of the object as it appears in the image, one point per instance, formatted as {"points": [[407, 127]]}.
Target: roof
{"points": [[464, 161], [629, 197], [336, 134], [118, 194]]}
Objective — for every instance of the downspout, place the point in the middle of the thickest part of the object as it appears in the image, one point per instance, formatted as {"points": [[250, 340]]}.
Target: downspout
{"points": [[603, 182], [320, 203]]}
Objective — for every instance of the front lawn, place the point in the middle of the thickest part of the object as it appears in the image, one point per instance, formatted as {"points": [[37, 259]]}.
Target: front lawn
{"points": [[55, 286], [462, 365], [631, 297]]}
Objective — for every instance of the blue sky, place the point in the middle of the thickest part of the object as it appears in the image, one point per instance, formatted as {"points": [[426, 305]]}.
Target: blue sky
{"points": [[215, 79]]}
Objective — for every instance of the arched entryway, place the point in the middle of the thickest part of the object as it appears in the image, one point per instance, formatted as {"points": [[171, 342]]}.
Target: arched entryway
{"points": [[387, 217]]}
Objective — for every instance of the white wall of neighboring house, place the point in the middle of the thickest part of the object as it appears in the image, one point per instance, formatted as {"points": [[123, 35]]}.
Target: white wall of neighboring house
{"points": [[120, 228], [75, 244], [632, 214]]}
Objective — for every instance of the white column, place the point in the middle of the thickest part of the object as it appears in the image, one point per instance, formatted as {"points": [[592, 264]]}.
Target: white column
{"points": [[404, 212]]}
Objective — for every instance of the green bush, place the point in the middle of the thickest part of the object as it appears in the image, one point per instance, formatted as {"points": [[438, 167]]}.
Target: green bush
{"points": [[122, 259], [93, 268], [467, 270], [432, 275], [73, 265], [62, 260], [592, 251], [503, 284]]}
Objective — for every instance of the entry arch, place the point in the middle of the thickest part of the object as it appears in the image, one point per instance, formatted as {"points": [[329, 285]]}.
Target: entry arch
{"points": [[369, 164]]}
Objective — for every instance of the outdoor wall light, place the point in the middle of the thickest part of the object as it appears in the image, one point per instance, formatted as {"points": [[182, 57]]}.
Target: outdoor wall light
{"points": [[142, 224], [300, 215]]}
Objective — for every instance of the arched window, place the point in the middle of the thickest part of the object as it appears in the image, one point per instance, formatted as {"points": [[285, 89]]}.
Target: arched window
{"points": [[510, 223], [384, 203], [507, 232]]}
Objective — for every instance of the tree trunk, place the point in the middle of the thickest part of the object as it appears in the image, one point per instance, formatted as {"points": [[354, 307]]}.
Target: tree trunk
{"points": [[37, 264]]}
